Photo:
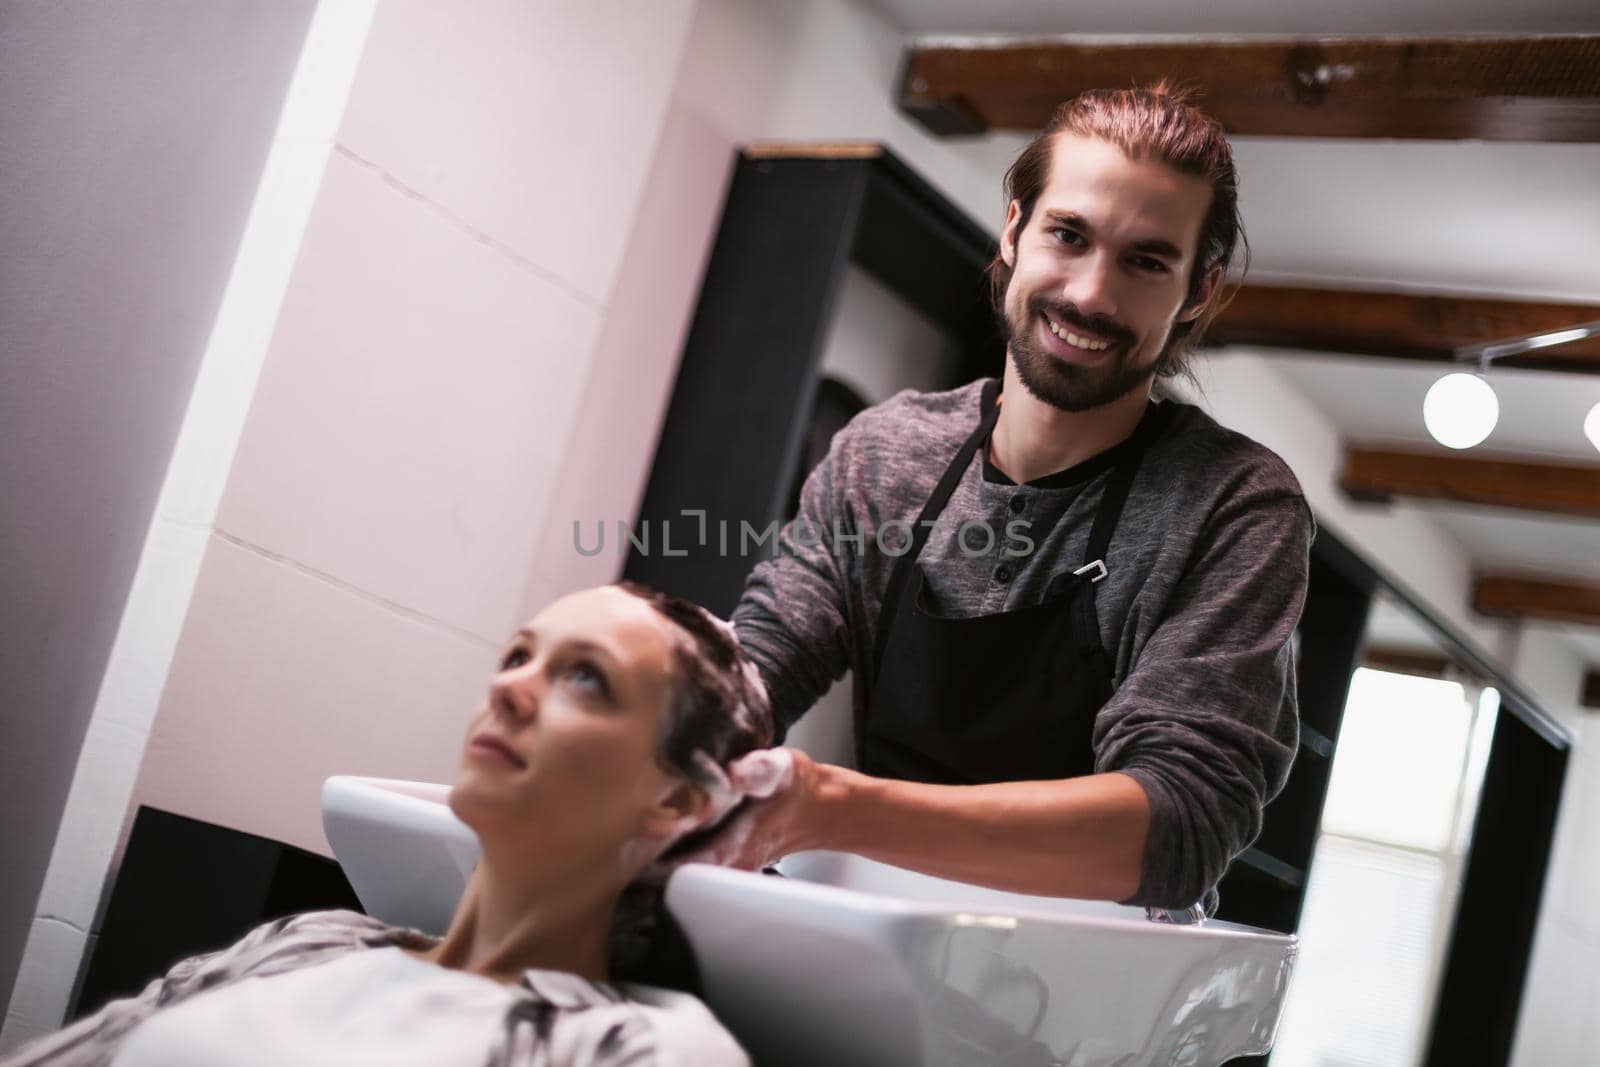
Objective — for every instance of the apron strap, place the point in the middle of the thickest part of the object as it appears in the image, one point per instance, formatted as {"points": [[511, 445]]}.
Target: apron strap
{"points": [[1117, 487], [1105, 519], [930, 511]]}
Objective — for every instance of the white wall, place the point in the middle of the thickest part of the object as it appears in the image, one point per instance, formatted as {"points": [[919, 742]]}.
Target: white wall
{"points": [[131, 141]]}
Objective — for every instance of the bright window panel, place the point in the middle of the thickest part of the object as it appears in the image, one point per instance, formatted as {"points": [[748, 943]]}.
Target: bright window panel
{"points": [[1397, 770], [1360, 993]]}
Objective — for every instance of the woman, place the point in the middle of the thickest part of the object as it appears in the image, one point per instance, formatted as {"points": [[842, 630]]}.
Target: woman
{"points": [[604, 738]]}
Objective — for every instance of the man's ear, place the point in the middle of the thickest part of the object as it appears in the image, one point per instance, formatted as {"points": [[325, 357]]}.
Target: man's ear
{"points": [[1192, 309], [679, 808], [1009, 234]]}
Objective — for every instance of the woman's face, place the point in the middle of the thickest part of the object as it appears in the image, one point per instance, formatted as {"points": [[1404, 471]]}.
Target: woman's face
{"points": [[562, 753]]}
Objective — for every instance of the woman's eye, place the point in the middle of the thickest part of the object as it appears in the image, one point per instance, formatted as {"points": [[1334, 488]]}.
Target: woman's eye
{"points": [[588, 675], [514, 659]]}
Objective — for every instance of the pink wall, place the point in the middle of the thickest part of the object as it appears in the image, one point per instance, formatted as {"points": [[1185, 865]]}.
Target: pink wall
{"points": [[411, 422]]}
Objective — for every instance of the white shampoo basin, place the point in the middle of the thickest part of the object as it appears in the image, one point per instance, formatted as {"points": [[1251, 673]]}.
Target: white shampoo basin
{"points": [[844, 961]]}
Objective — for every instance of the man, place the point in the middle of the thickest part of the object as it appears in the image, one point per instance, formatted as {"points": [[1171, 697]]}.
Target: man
{"points": [[1079, 681]]}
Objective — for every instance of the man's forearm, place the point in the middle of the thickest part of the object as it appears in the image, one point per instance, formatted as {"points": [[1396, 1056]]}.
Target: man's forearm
{"points": [[1078, 837]]}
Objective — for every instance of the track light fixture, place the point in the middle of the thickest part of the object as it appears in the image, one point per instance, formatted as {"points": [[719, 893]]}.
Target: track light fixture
{"points": [[1461, 408]]}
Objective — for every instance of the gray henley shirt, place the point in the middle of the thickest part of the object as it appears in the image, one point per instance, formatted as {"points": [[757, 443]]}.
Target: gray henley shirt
{"points": [[1206, 579]]}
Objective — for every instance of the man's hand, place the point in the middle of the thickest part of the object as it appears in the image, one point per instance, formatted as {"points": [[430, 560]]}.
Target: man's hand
{"points": [[769, 828], [1074, 837]]}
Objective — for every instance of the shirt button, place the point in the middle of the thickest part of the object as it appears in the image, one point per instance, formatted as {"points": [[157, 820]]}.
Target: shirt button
{"points": [[1018, 502], [1002, 573]]}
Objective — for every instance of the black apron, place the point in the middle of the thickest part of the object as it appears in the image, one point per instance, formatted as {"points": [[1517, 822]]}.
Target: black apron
{"points": [[993, 698]]}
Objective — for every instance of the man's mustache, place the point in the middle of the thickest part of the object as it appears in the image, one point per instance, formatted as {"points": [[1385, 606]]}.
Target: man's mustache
{"points": [[1069, 315]]}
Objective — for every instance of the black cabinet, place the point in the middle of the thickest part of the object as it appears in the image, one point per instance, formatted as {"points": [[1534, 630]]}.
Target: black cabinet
{"points": [[736, 426], [186, 887]]}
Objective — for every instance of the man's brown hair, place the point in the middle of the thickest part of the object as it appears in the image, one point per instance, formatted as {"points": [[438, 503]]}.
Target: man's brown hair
{"points": [[1156, 122]]}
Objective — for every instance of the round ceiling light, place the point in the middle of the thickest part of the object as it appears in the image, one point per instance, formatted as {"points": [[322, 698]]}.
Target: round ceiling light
{"points": [[1460, 410]]}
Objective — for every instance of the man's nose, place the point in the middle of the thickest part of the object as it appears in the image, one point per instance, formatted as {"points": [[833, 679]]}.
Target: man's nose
{"points": [[1090, 287]]}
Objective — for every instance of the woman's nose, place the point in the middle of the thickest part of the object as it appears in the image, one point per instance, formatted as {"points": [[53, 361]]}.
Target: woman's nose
{"points": [[516, 693]]}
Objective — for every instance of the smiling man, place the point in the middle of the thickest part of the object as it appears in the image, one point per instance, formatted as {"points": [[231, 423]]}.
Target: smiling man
{"points": [[1068, 605]]}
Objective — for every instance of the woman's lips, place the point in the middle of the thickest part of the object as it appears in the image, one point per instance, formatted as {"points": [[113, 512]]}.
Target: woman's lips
{"points": [[492, 747]]}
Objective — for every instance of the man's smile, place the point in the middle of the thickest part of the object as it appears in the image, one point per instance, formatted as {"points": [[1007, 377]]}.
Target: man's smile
{"points": [[1075, 340]]}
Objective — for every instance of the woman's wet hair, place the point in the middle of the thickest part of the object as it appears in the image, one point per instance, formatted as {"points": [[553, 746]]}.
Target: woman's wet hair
{"points": [[718, 706]]}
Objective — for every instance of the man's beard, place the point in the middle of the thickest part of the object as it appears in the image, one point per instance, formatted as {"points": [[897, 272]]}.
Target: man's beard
{"points": [[1066, 385]]}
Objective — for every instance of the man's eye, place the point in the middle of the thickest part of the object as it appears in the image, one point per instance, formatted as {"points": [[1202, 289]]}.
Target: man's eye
{"points": [[1149, 264], [1067, 237], [514, 659]]}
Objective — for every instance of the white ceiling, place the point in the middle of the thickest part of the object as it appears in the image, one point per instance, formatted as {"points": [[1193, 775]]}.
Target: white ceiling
{"points": [[1506, 220], [1587, 641], [1512, 221], [1541, 414]]}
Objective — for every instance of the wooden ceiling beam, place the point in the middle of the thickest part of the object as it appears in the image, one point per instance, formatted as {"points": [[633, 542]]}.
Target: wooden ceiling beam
{"points": [[1551, 599], [1380, 475], [1402, 325], [1544, 88]]}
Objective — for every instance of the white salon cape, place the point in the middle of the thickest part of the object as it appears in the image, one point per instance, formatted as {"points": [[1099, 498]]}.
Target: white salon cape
{"points": [[338, 988]]}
